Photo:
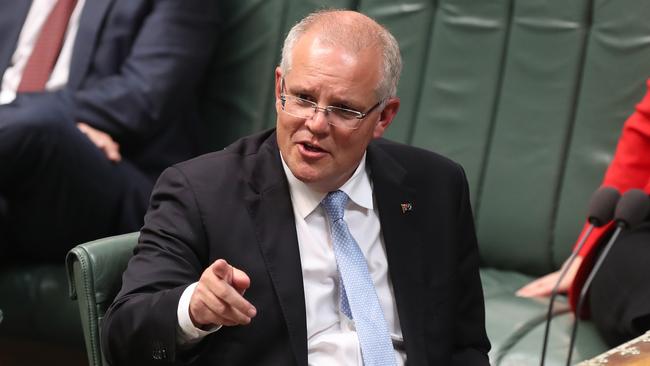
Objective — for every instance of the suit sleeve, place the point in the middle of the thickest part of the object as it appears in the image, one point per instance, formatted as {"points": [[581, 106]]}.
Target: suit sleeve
{"points": [[160, 75], [140, 326], [471, 341]]}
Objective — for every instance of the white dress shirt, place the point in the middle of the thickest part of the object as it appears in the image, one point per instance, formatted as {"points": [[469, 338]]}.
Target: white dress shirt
{"points": [[38, 13], [331, 336]]}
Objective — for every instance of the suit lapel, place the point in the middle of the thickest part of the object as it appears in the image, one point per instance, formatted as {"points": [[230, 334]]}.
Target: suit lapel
{"points": [[272, 214], [12, 18], [90, 22], [270, 205], [398, 214]]}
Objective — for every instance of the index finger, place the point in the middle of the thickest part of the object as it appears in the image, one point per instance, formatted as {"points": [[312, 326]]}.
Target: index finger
{"points": [[227, 295], [237, 280], [223, 270]]}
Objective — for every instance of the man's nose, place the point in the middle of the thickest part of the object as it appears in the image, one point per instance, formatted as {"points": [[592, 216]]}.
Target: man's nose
{"points": [[318, 122]]}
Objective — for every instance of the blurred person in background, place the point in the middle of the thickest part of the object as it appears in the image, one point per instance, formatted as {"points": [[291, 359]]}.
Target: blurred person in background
{"points": [[96, 99]]}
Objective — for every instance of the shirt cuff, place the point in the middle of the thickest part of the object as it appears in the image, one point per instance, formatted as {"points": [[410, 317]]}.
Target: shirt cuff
{"points": [[187, 333]]}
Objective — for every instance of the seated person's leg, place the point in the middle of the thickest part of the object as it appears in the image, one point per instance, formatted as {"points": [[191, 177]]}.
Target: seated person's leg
{"points": [[60, 189], [620, 293]]}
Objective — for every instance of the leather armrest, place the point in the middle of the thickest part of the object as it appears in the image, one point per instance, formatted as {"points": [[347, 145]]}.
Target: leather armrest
{"points": [[94, 277]]}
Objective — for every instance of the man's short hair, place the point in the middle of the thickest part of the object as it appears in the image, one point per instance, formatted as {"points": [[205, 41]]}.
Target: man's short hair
{"points": [[354, 35]]}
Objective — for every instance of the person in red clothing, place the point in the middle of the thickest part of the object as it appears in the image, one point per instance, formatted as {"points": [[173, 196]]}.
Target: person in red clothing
{"points": [[619, 298]]}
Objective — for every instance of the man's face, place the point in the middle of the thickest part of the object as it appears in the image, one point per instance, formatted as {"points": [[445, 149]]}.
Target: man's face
{"points": [[319, 154]]}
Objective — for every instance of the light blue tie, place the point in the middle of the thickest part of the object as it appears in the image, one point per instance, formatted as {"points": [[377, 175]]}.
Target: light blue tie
{"points": [[358, 297]]}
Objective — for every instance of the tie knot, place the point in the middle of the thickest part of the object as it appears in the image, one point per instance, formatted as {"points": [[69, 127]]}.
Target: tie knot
{"points": [[334, 203]]}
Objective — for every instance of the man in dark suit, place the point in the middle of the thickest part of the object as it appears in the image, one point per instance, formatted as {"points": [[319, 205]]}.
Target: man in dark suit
{"points": [[246, 254], [80, 154]]}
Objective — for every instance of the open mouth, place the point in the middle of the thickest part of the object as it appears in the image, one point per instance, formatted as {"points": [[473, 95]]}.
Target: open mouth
{"points": [[312, 148]]}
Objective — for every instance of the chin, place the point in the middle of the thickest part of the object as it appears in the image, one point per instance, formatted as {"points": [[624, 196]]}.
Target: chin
{"points": [[308, 177]]}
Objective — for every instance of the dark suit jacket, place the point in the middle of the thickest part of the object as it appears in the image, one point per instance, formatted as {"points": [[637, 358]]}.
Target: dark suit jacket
{"points": [[134, 73], [235, 204]]}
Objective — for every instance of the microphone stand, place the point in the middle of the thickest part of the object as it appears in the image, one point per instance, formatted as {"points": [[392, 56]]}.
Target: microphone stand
{"points": [[585, 287], [554, 292]]}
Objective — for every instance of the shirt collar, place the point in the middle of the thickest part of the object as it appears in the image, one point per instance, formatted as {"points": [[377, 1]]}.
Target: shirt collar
{"points": [[306, 200]]}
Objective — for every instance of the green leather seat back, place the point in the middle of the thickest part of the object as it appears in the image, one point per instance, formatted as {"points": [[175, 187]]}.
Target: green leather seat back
{"points": [[411, 23], [460, 82], [239, 86], [553, 104], [616, 65], [531, 123]]}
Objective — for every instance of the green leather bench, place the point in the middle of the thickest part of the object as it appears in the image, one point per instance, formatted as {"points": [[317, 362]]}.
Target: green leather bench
{"points": [[528, 95]]}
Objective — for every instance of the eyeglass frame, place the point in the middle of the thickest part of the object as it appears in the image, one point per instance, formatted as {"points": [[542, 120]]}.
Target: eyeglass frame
{"points": [[327, 109]]}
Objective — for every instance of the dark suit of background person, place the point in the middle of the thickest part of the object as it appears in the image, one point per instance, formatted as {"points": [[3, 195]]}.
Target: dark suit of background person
{"points": [[134, 74], [236, 205]]}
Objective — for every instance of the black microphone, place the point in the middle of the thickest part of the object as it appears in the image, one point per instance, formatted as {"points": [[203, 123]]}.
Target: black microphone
{"points": [[601, 211], [631, 210]]}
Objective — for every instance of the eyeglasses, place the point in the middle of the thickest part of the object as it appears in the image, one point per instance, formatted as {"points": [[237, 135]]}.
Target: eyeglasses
{"points": [[335, 116]]}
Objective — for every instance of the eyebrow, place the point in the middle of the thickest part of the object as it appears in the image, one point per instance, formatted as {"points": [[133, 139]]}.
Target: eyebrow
{"points": [[335, 102]]}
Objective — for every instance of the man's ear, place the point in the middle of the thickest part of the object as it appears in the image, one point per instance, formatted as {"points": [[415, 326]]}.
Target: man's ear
{"points": [[386, 116], [278, 88], [278, 82]]}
